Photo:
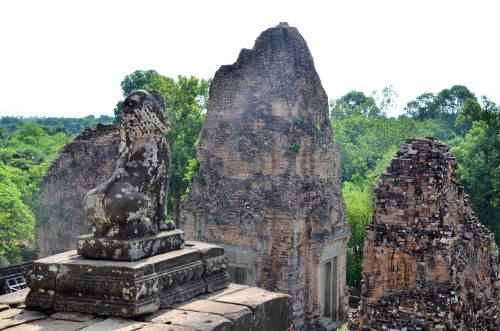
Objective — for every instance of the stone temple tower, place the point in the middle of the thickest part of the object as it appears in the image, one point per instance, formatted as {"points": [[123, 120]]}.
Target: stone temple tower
{"points": [[429, 263], [268, 187]]}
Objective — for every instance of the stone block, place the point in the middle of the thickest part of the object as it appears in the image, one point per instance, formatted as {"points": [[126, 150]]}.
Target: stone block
{"points": [[241, 316], [42, 280], [70, 282], [72, 316], [13, 317], [133, 249], [114, 288], [165, 327], [128, 280], [106, 306], [14, 299], [55, 325], [181, 292], [272, 311], [228, 290], [217, 281], [215, 262], [115, 323], [191, 319]]}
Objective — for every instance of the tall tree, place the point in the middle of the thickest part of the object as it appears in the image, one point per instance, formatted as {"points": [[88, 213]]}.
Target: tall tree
{"points": [[16, 220], [24, 159], [443, 107], [352, 104], [479, 160]]}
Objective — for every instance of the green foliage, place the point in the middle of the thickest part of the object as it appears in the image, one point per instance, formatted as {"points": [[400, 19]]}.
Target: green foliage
{"points": [[16, 220], [443, 107], [296, 147], [354, 104], [359, 204], [70, 127], [478, 156], [365, 140], [25, 154], [191, 170], [297, 121]]}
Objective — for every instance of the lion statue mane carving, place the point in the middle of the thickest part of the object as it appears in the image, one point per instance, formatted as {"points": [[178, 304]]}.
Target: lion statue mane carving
{"points": [[132, 202]]}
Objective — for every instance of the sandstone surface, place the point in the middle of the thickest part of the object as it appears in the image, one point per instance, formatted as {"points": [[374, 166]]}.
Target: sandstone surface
{"points": [[269, 177], [429, 263], [210, 313]]}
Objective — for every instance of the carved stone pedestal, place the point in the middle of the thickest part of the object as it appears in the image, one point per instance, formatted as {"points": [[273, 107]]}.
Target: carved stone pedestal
{"points": [[72, 282], [133, 249]]}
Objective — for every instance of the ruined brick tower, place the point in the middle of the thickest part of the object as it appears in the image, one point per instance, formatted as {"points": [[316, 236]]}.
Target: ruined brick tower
{"points": [[268, 188], [429, 263], [82, 164]]}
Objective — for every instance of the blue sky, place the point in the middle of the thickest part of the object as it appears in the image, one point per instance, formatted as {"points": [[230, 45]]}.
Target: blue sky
{"points": [[67, 58]]}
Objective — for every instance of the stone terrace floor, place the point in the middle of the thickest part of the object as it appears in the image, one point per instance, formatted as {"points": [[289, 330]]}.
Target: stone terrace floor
{"points": [[237, 307]]}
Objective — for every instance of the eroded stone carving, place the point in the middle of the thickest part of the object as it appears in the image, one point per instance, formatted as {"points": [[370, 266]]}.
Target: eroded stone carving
{"points": [[132, 202]]}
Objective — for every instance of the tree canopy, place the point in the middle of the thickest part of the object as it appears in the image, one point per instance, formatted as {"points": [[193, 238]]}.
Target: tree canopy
{"points": [[25, 155], [479, 160], [443, 106]]}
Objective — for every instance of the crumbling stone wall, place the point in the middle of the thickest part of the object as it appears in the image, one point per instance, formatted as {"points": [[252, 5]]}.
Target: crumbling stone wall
{"points": [[269, 176], [83, 164], [429, 263]]}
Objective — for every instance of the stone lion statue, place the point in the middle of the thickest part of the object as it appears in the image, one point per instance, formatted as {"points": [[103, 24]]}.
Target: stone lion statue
{"points": [[132, 202]]}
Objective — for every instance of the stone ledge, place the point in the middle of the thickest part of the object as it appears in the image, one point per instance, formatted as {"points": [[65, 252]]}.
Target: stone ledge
{"points": [[237, 307], [69, 281], [14, 299], [134, 249]]}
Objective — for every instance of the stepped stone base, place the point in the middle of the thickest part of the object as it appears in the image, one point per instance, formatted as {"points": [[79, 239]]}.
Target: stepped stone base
{"points": [[72, 282], [134, 249]]}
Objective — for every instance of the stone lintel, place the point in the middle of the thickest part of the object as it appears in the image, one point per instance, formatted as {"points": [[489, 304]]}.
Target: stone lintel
{"points": [[117, 249], [271, 310]]}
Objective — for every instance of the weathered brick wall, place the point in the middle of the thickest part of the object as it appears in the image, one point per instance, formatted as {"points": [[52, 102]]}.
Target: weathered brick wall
{"points": [[269, 173], [429, 263], [83, 164]]}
